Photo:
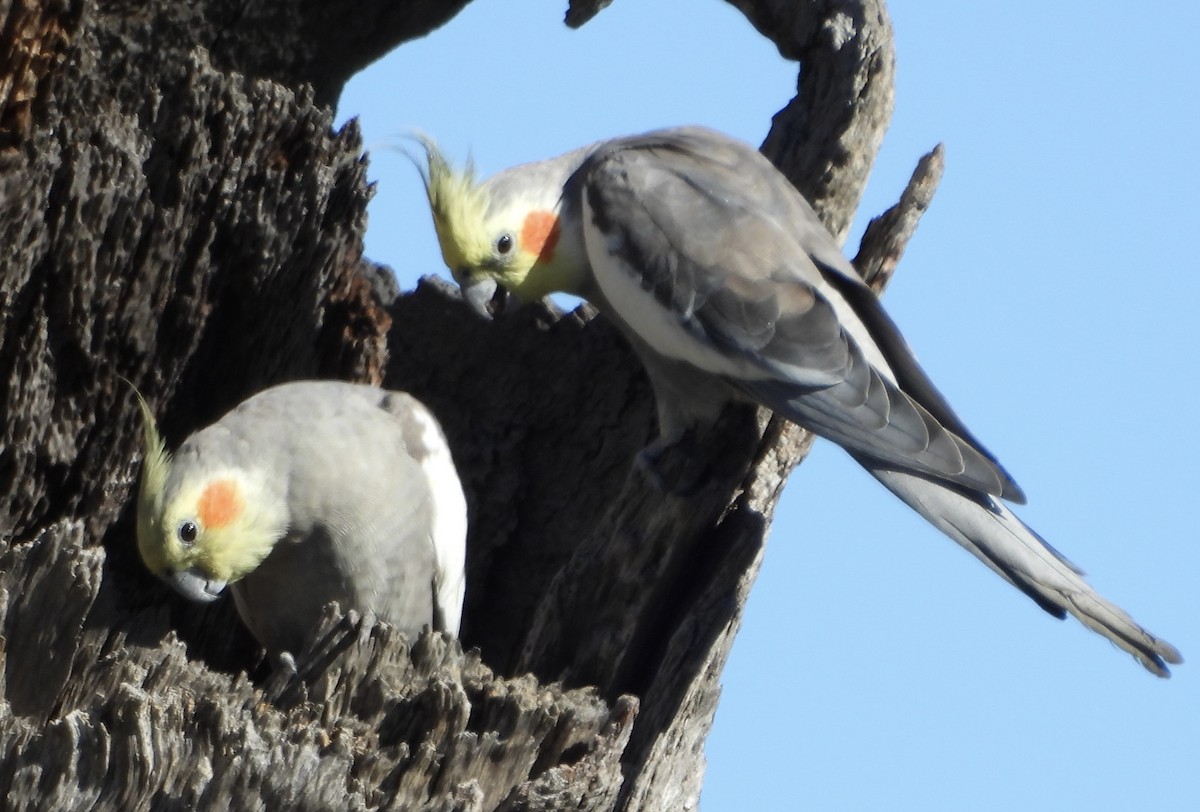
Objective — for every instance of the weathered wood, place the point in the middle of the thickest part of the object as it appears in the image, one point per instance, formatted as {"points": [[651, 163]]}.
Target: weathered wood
{"points": [[580, 11], [177, 212], [367, 724], [887, 235], [826, 138]]}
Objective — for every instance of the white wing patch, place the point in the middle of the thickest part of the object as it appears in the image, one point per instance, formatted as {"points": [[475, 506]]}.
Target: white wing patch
{"points": [[662, 329], [448, 518]]}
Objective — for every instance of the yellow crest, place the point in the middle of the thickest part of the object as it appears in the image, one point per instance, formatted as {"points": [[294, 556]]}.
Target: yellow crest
{"points": [[459, 207], [156, 464]]}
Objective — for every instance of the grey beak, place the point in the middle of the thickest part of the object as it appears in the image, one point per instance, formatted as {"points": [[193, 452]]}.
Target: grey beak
{"points": [[484, 296], [194, 585]]}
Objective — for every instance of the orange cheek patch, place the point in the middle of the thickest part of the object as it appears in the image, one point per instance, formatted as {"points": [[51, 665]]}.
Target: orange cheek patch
{"points": [[220, 504], [539, 234]]}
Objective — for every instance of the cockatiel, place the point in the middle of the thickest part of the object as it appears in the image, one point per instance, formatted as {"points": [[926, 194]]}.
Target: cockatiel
{"points": [[729, 287], [307, 493]]}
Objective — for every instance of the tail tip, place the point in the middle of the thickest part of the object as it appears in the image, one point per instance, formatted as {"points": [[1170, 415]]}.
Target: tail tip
{"points": [[1155, 658]]}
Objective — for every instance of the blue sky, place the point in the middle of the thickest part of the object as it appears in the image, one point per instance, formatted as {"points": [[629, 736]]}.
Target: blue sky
{"points": [[1051, 291]]}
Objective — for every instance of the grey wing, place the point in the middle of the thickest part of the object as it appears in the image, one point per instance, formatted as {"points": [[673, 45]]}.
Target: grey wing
{"points": [[444, 511], [379, 483], [721, 240], [406, 558]]}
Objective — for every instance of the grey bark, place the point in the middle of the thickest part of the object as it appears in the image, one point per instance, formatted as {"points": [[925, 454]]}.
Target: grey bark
{"points": [[176, 211]]}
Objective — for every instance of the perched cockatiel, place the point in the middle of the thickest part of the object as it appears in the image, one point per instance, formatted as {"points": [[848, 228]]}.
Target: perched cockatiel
{"points": [[307, 493], [728, 286]]}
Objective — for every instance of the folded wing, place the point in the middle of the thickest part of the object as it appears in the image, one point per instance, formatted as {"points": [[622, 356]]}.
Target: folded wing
{"points": [[707, 252]]}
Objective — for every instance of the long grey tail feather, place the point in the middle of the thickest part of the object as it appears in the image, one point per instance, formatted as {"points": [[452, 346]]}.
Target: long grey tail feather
{"points": [[993, 533]]}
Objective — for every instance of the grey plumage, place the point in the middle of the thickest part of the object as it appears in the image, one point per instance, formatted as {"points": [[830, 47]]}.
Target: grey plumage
{"points": [[719, 271], [350, 492], [703, 233]]}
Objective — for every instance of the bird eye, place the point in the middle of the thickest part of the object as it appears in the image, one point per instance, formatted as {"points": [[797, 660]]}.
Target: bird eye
{"points": [[504, 244], [187, 532]]}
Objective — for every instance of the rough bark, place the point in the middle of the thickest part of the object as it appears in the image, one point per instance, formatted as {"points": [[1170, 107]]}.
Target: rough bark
{"points": [[176, 211], [887, 235]]}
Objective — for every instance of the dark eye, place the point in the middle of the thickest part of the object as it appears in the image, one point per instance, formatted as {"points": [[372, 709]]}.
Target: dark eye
{"points": [[504, 244], [188, 532]]}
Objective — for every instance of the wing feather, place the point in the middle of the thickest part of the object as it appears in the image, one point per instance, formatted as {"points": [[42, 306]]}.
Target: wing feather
{"points": [[739, 263]]}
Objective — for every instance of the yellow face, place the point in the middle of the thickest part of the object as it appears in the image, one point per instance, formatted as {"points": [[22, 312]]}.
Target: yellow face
{"points": [[205, 527], [218, 525], [516, 245]]}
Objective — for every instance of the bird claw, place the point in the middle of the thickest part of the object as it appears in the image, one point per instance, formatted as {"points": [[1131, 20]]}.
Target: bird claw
{"points": [[285, 662], [283, 674]]}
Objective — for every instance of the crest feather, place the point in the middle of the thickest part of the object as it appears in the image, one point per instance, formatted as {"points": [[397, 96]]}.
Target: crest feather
{"points": [[156, 460], [156, 464], [459, 205]]}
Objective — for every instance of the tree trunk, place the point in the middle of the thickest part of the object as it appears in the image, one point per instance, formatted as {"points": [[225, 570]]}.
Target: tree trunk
{"points": [[176, 211]]}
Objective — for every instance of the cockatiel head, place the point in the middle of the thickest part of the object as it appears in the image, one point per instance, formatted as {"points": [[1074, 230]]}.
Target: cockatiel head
{"points": [[200, 526], [504, 233]]}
